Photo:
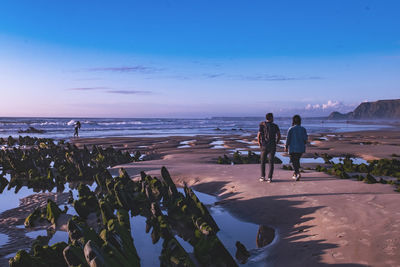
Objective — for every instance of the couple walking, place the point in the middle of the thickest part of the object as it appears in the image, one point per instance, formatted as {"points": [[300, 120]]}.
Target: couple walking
{"points": [[269, 136]]}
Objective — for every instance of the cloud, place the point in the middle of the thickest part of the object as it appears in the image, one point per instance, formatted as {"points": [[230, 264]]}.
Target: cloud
{"points": [[259, 77], [129, 92], [111, 91], [213, 75], [330, 105], [125, 69], [87, 88], [267, 77]]}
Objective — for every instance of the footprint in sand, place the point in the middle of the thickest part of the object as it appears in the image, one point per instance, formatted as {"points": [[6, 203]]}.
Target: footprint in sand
{"points": [[338, 255], [390, 247], [340, 235], [365, 242], [366, 232]]}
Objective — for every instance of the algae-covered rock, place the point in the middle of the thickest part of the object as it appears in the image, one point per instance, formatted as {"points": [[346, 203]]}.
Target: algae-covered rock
{"points": [[52, 211], [50, 255], [168, 180], [121, 238], [22, 259], [107, 212], [94, 256], [210, 251], [3, 183], [32, 218], [198, 208], [79, 232], [173, 254], [74, 256], [369, 179], [87, 202], [123, 218]]}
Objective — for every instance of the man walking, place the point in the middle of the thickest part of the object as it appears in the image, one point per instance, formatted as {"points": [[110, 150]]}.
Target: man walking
{"points": [[268, 136]]}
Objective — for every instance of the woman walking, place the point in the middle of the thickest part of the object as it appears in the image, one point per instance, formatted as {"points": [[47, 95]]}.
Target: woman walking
{"points": [[296, 144]]}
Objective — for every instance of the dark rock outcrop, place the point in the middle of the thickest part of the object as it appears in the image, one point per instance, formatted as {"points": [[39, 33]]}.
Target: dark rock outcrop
{"points": [[381, 109]]}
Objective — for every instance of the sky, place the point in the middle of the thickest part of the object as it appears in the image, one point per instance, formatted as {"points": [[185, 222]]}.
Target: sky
{"points": [[185, 58]]}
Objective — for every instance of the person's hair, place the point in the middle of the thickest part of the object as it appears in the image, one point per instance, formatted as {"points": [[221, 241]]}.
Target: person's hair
{"points": [[296, 120], [269, 117]]}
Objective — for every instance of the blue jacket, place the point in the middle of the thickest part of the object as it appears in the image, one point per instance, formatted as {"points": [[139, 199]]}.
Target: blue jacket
{"points": [[296, 139]]}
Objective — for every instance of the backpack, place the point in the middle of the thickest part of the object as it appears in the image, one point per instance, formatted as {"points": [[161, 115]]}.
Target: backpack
{"points": [[269, 138]]}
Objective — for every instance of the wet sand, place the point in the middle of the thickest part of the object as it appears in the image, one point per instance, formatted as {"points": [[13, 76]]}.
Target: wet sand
{"points": [[320, 220]]}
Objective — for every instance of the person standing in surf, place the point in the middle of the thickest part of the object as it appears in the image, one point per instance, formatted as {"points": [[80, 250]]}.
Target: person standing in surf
{"points": [[296, 141], [268, 136], [77, 127]]}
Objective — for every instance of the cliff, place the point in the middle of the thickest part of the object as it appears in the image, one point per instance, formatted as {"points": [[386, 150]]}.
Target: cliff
{"points": [[381, 109]]}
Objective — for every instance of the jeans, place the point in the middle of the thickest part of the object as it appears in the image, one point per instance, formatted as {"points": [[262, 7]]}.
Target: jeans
{"points": [[295, 159], [270, 155]]}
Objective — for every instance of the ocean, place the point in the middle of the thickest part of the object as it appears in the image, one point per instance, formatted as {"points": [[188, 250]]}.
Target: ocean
{"points": [[63, 128]]}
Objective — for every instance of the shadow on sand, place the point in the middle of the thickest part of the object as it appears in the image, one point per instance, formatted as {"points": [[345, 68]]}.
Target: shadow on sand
{"points": [[296, 246]]}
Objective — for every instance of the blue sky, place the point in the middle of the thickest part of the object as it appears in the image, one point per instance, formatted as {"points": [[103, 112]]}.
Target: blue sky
{"points": [[196, 58]]}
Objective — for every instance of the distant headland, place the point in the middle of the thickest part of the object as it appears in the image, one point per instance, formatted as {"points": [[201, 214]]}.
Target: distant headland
{"points": [[381, 109]]}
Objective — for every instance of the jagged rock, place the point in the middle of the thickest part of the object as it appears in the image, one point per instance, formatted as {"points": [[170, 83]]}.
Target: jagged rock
{"points": [[87, 202], [74, 256], [32, 130], [52, 211], [22, 259], [32, 218], [79, 232], [381, 109], [93, 255], [209, 251], [51, 255], [369, 179], [106, 211], [265, 236], [173, 254], [242, 254], [3, 183]]}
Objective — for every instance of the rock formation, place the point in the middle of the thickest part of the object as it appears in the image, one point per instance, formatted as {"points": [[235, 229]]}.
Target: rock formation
{"points": [[381, 109]]}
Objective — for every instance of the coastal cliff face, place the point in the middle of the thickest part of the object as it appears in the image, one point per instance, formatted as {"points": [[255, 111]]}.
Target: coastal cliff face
{"points": [[382, 109]]}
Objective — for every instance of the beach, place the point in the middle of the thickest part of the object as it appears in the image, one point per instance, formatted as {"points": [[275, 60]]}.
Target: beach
{"points": [[320, 220]]}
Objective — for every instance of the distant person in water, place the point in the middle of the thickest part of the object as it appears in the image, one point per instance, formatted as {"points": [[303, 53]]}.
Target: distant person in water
{"points": [[77, 127], [296, 144], [268, 136]]}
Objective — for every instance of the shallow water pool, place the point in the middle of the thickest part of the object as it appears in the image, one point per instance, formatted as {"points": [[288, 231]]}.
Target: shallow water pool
{"points": [[231, 230]]}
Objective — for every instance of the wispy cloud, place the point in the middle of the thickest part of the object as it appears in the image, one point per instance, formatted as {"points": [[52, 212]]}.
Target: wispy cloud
{"points": [[213, 75], [268, 77], [110, 90], [88, 88], [259, 77], [125, 69], [129, 92]]}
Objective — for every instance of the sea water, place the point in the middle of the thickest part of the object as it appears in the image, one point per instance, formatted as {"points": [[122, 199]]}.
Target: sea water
{"points": [[63, 128]]}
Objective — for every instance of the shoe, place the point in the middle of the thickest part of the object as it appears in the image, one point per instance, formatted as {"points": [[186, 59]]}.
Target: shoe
{"points": [[294, 177], [298, 176], [269, 180], [262, 179]]}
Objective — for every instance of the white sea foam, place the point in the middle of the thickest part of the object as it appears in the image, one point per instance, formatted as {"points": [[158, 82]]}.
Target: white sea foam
{"points": [[121, 123]]}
